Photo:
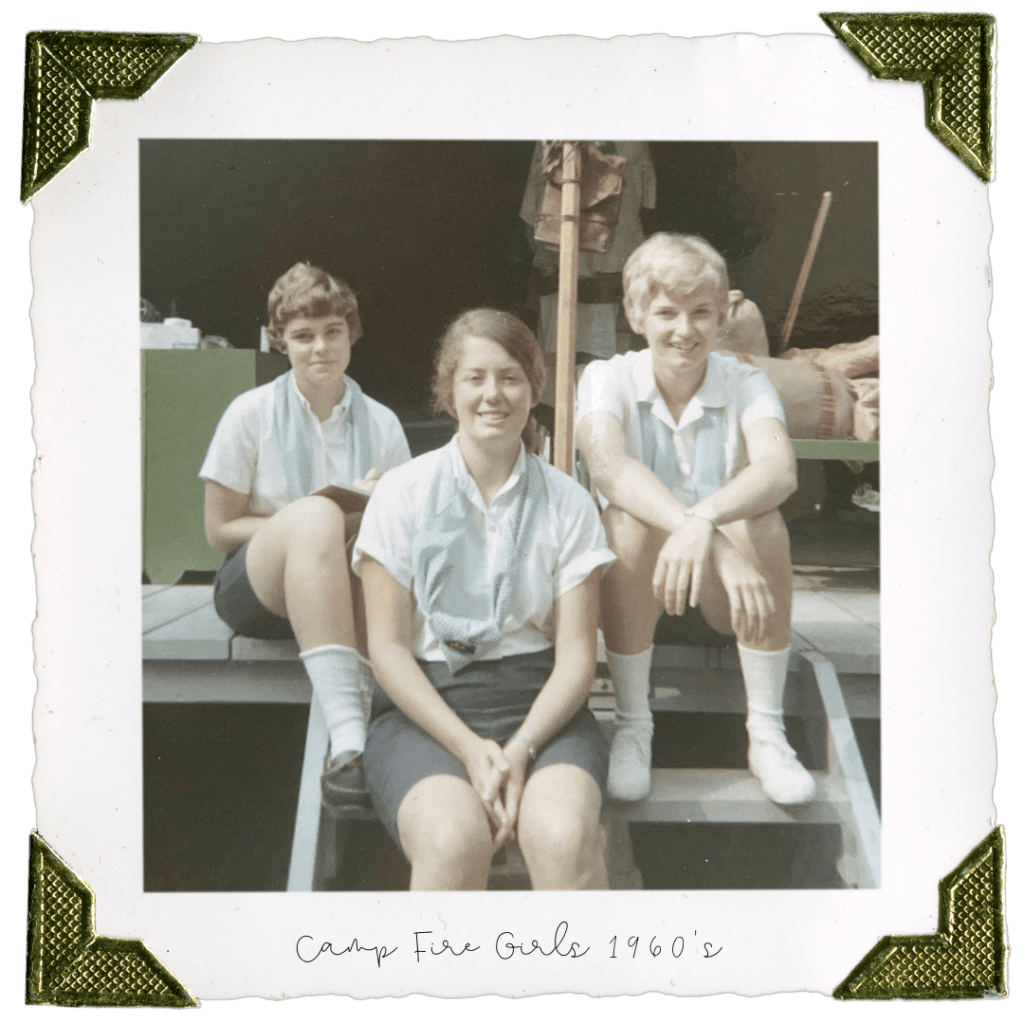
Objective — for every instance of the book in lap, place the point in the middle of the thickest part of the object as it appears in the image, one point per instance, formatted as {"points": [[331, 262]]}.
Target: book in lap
{"points": [[348, 499]]}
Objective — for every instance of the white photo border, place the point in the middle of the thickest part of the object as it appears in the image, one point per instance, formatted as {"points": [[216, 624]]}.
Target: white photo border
{"points": [[921, 182]]}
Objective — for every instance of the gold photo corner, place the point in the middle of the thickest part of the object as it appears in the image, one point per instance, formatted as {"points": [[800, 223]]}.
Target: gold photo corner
{"points": [[964, 959], [952, 55], [65, 72], [68, 964]]}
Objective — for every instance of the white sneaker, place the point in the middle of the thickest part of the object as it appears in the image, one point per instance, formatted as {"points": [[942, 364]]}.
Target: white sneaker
{"points": [[629, 764], [783, 778]]}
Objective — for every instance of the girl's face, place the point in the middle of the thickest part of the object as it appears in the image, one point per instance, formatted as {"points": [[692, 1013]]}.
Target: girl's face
{"points": [[681, 327], [319, 349], [490, 392]]}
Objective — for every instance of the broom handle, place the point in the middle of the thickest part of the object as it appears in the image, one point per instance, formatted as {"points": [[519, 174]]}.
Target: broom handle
{"points": [[805, 270]]}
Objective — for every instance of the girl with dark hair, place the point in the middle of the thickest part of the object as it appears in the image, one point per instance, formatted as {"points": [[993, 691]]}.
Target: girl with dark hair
{"points": [[481, 568]]}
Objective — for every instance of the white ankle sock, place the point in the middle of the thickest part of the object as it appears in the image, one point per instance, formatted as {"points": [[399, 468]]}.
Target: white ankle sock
{"points": [[631, 676], [764, 676], [336, 673]]}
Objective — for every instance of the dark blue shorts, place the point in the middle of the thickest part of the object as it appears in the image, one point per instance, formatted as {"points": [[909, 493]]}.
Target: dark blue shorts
{"points": [[237, 604], [492, 698]]}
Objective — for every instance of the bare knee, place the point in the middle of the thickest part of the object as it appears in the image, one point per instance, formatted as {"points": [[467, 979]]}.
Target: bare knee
{"points": [[316, 521], [768, 537], [632, 540], [629, 609], [771, 528], [447, 840], [563, 845], [563, 840], [445, 835]]}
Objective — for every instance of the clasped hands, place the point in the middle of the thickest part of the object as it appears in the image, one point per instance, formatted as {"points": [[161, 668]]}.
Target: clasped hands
{"points": [[498, 775], [693, 552]]}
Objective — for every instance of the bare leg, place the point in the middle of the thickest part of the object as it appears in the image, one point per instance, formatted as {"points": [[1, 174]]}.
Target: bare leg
{"points": [[355, 587], [629, 613], [629, 609], [764, 540], [446, 835], [298, 566], [560, 831]]}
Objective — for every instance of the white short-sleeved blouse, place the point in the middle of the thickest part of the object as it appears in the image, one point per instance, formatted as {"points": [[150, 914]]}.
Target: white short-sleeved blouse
{"points": [[567, 545], [624, 386], [245, 457]]}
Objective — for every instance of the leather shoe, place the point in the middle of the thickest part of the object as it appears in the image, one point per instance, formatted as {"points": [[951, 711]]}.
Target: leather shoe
{"points": [[344, 785]]}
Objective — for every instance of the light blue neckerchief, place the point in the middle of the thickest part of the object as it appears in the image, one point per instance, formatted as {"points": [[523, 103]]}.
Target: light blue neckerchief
{"points": [[463, 628], [708, 471], [295, 443]]}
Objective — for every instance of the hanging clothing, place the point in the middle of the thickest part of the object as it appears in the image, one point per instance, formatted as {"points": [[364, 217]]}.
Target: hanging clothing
{"points": [[601, 330], [600, 184], [639, 190]]}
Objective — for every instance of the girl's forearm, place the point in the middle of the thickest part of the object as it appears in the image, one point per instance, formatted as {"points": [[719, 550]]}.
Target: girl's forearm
{"points": [[756, 489], [412, 692], [564, 693], [231, 535], [630, 485]]}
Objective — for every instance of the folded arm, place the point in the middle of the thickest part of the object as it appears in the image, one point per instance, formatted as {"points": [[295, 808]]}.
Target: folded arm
{"points": [[229, 523], [626, 482], [693, 538], [767, 480]]}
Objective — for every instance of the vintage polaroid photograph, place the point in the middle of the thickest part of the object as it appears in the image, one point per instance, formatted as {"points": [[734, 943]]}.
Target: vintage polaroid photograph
{"points": [[461, 560], [465, 226]]}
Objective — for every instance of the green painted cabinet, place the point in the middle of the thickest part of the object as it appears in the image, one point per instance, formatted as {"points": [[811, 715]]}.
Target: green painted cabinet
{"points": [[184, 393]]}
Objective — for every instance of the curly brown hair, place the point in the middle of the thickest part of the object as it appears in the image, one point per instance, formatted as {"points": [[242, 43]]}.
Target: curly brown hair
{"points": [[308, 291]]}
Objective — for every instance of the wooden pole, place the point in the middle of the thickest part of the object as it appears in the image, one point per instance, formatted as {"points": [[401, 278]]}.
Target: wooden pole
{"points": [[568, 269], [805, 270]]}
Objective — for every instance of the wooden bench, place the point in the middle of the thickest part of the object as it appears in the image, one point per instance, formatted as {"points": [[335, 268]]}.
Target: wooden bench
{"points": [[190, 656]]}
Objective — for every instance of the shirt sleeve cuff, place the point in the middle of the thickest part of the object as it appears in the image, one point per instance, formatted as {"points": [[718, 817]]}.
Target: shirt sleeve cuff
{"points": [[573, 575], [378, 553], [226, 480], [762, 408]]}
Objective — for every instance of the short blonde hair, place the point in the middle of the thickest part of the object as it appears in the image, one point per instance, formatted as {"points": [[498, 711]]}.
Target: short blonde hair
{"points": [[670, 262], [308, 291]]}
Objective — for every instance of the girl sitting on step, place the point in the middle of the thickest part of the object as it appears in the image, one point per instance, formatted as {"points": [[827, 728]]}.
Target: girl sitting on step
{"points": [[481, 567], [287, 567]]}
